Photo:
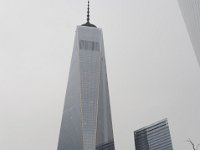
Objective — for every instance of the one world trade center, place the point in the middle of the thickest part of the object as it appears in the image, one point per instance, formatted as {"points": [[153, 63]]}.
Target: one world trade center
{"points": [[86, 122]]}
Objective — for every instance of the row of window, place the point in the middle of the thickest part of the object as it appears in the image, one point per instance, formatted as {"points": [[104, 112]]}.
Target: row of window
{"points": [[89, 45]]}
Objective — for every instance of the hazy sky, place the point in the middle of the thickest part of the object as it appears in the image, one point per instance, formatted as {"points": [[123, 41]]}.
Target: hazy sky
{"points": [[152, 69]]}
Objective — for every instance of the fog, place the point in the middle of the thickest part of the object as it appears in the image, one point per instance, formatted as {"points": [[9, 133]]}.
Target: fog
{"points": [[152, 69]]}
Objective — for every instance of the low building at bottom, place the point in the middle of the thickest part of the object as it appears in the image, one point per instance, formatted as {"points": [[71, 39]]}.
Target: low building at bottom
{"points": [[154, 137]]}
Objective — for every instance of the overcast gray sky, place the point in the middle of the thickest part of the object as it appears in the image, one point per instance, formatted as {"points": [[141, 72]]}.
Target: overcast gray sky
{"points": [[152, 69]]}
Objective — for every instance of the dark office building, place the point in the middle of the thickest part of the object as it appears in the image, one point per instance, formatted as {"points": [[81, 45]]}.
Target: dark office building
{"points": [[154, 137]]}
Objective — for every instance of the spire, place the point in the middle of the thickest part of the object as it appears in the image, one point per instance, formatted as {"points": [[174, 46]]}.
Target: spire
{"points": [[88, 24], [88, 12]]}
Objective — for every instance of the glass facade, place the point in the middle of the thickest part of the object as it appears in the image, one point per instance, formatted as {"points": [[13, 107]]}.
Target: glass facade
{"points": [[89, 74], [191, 14], [154, 137], [86, 122]]}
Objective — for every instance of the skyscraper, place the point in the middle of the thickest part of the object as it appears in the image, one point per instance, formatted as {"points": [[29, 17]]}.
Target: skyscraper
{"points": [[86, 122], [191, 14], [154, 137]]}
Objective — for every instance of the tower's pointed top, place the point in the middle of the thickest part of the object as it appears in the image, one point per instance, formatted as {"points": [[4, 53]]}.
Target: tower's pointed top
{"points": [[88, 12], [88, 24]]}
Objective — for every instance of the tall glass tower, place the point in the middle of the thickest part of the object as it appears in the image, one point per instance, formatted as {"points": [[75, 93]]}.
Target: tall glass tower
{"points": [[191, 14], [86, 122]]}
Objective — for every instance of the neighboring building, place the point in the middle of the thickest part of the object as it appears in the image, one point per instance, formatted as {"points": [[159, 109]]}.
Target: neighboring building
{"points": [[154, 137], [86, 122], [191, 13]]}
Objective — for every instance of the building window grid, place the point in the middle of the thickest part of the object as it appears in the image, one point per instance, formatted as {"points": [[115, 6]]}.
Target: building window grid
{"points": [[156, 137], [159, 139], [89, 77], [158, 134], [89, 45]]}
